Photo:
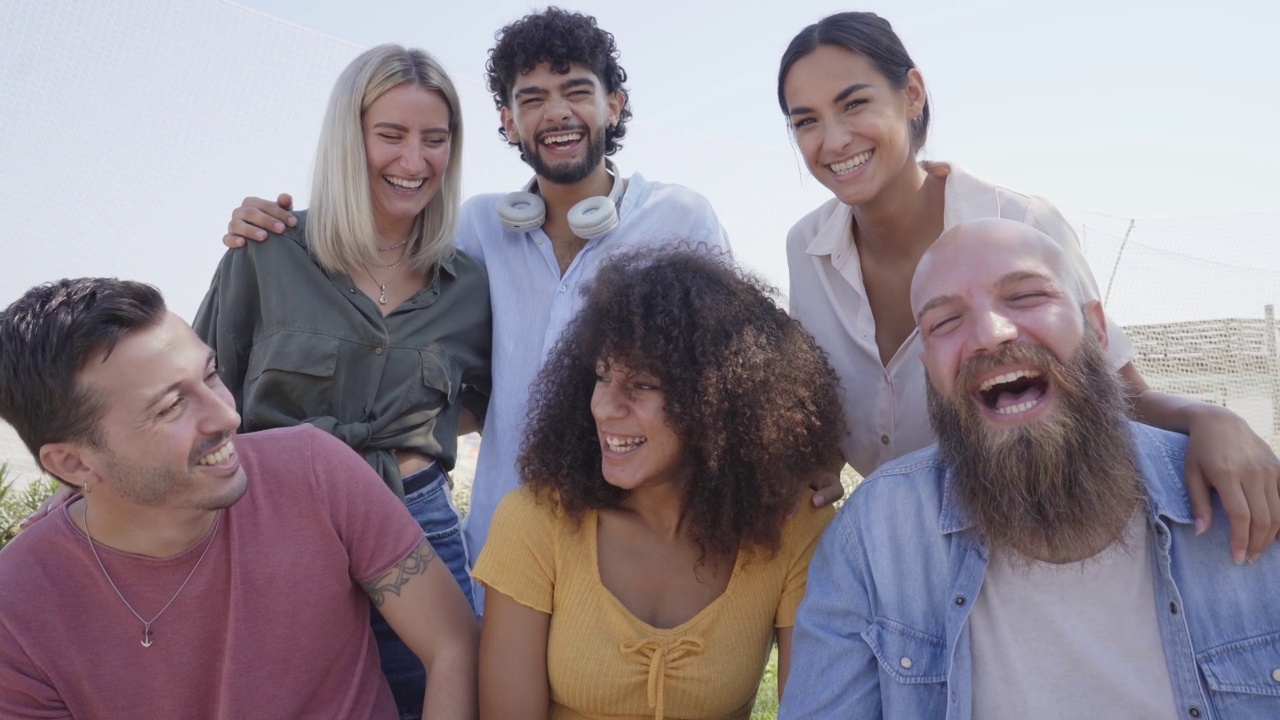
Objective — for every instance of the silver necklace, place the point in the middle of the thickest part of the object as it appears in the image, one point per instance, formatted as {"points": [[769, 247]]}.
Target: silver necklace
{"points": [[146, 624], [382, 286]]}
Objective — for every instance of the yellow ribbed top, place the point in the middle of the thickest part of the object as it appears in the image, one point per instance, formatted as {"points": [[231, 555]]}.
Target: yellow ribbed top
{"points": [[602, 661]]}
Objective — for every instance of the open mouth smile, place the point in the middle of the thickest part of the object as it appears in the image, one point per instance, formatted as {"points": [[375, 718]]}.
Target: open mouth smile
{"points": [[622, 444], [404, 184], [844, 167], [1013, 393]]}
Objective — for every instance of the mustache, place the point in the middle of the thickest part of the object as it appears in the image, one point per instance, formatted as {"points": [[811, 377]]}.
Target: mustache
{"points": [[1017, 353], [561, 130], [207, 446]]}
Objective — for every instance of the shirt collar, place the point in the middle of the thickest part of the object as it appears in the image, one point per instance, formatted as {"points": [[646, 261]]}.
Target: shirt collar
{"points": [[1161, 472], [833, 233]]}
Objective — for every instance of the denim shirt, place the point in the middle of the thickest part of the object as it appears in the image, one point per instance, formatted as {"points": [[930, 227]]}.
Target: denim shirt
{"points": [[883, 630]]}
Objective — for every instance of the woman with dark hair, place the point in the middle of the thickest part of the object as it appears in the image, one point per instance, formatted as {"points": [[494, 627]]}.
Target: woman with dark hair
{"points": [[662, 538], [860, 115]]}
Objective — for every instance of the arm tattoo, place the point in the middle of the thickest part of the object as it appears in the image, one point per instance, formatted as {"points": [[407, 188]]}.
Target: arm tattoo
{"points": [[390, 582]]}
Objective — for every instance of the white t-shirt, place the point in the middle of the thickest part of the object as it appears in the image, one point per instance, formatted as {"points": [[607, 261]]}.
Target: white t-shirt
{"points": [[1078, 639], [884, 406]]}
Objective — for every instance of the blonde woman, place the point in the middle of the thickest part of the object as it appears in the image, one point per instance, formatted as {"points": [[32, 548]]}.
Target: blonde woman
{"points": [[362, 319]]}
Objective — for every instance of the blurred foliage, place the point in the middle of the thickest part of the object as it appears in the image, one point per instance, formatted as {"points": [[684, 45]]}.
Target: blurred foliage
{"points": [[19, 501]]}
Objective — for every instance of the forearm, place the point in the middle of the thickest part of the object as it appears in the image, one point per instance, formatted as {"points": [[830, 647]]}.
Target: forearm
{"points": [[1163, 410], [451, 684]]}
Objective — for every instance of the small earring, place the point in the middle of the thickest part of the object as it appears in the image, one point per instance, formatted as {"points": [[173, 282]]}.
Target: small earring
{"points": [[88, 488]]}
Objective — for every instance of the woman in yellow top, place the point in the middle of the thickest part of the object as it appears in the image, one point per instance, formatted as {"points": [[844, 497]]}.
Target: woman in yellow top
{"points": [[652, 555]]}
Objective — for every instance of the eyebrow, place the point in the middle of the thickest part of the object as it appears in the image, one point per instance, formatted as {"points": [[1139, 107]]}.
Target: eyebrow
{"points": [[210, 359], [1016, 276], [842, 95], [401, 128]]}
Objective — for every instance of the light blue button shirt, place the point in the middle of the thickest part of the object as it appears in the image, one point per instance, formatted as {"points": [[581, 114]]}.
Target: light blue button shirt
{"points": [[896, 575], [532, 304]]}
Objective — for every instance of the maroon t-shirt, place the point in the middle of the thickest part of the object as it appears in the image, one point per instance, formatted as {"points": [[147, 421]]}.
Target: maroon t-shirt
{"points": [[272, 625]]}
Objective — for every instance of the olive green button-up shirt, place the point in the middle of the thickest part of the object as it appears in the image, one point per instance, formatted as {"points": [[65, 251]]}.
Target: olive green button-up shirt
{"points": [[296, 344]]}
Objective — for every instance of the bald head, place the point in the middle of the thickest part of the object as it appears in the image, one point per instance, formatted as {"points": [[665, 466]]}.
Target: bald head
{"points": [[1015, 246]]}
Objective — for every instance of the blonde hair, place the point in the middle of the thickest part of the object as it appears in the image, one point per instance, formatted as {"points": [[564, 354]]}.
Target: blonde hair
{"points": [[340, 224]]}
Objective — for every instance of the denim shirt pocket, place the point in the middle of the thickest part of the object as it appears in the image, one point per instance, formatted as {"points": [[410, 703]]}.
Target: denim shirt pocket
{"points": [[1244, 677], [290, 375], [908, 656]]}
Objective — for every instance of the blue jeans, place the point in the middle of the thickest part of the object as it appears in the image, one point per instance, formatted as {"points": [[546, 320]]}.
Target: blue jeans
{"points": [[432, 507]]}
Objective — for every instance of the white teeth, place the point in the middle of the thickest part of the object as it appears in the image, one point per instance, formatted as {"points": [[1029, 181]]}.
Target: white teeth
{"points": [[565, 138], [406, 184], [1020, 407], [623, 444], [841, 168], [1008, 378], [218, 456]]}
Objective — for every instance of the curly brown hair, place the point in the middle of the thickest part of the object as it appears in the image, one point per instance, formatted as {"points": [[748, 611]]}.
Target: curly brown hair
{"points": [[560, 38], [746, 388]]}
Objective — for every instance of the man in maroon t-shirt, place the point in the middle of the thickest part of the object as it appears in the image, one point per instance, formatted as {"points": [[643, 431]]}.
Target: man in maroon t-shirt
{"points": [[199, 573]]}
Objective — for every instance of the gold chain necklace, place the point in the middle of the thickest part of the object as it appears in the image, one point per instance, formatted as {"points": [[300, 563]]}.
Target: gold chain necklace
{"points": [[146, 624]]}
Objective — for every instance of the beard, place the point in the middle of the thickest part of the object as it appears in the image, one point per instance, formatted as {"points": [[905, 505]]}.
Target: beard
{"points": [[151, 484], [1059, 489], [565, 173]]}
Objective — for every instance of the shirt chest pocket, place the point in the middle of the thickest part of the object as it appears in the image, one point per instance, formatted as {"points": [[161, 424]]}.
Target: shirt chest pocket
{"points": [[290, 376], [1244, 677], [908, 656]]}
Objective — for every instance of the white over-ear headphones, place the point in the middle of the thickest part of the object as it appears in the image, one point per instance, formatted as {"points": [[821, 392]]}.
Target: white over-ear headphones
{"points": [[589, 219]]}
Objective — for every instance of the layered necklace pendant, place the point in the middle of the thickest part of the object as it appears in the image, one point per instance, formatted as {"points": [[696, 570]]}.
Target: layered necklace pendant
{"points": [[397, 265]]}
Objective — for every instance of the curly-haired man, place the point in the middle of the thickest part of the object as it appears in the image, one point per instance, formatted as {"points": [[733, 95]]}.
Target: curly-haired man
{"points": [[562, 99]]}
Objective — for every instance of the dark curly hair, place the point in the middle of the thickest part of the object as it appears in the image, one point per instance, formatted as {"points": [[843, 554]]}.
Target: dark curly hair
{"points": [[560, 38], [746, 388]]}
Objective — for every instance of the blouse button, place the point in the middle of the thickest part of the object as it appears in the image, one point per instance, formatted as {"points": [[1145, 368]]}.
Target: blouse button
{"points": [[1194, 711], [564, 288], [884, 439], [905, 663], [960, 601], [1275, 674], [377, 351]]}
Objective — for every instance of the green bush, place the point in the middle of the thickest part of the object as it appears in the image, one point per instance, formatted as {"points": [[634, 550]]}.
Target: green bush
{"points": [[16, 503]]}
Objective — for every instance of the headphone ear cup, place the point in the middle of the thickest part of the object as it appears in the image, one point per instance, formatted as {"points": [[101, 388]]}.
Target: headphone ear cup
{"points": [[593, 217], [521, 211]]}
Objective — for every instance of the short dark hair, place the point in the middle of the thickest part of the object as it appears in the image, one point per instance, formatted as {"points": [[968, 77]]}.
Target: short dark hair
{"points": [[746, 388], [560, 38], [52, 333], [868, 35]]}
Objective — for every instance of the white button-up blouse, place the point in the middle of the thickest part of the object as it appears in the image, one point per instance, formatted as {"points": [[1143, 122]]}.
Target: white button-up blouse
{"points": [[884, 405]]}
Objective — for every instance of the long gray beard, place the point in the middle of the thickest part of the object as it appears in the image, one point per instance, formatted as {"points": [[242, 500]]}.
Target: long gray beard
{"points": [[1058, 490]]}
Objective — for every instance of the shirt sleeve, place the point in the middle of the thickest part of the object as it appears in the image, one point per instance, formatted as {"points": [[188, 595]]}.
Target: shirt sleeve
{"points": [[1043, 216], [802, 534], [25, 692], [518, 559], [373, 524], [224, 321], [828, 634]]}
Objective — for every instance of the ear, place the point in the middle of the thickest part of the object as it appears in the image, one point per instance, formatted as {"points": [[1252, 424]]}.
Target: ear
{"points": [[616, 101], [69, 461], [1096, 322], [915, 93], [508, 119]]}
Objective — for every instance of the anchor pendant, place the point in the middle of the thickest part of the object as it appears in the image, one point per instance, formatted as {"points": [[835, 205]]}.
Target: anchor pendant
{"points": [[146, 637]]}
